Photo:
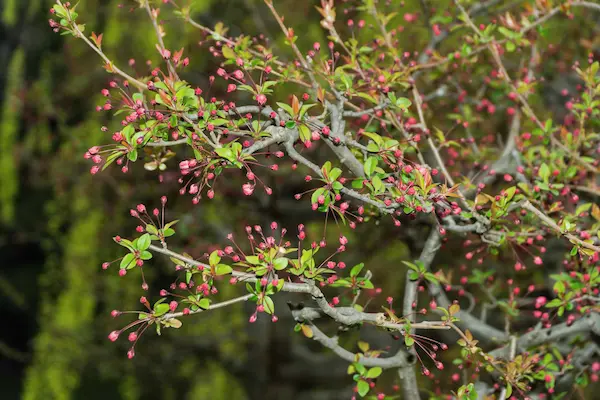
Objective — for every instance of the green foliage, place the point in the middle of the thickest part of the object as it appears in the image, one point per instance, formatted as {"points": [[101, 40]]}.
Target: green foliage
{"points": [[9, 126], [61, 347]]}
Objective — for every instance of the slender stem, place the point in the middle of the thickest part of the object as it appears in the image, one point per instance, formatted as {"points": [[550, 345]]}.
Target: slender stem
{"points": [[222, 304], [167, 143], [286, 32], [550, 222], [161, 43], [110, 65]]}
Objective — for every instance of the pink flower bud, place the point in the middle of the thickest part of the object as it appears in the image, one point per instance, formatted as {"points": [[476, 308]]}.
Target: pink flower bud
{"points": [[247, 189], [114, 335], [238, 74], [261, 99]]}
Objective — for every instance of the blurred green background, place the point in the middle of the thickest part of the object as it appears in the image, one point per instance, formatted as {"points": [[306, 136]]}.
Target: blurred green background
{"points": [[56, 222]]}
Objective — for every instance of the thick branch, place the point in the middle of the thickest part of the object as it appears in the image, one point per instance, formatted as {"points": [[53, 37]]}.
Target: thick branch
{"points": [[399, 360], [586, 324]]}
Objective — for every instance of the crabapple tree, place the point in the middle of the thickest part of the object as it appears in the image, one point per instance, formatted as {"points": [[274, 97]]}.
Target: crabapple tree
{"points": [[452, 145]]}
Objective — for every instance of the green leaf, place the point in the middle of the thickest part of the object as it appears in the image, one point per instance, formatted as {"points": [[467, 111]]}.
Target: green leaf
{"points": [[304, 133], [403, 103], [509, 390], [225, 153], [377, 184], [554, 303], [60, 10], [356, 269], [286, 107], [172, 323], [160, 309], [374, 372], [252, 260], [223, 269], [170, 224], [132, 155], [334, 174], [304, 109], [214, 258], [168, 232], [370, 165], [506, 32], [204, 304], [544, 172], [315, 196], [268, 304], [360, 368], [367, 284], [228, 53], [280, 263], [143, 242], [128, 259], [363, 388], [559, 287], [510, 193]]}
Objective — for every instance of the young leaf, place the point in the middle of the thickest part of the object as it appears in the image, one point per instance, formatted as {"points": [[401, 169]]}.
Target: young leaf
{"points": [[125, 261], [280, 263], [143, 242], [214, 258], [223, 269], [160, 309], [204, 304], [374, 372], [307, 331], [268, 304], [363, 388], [356, 269]]}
